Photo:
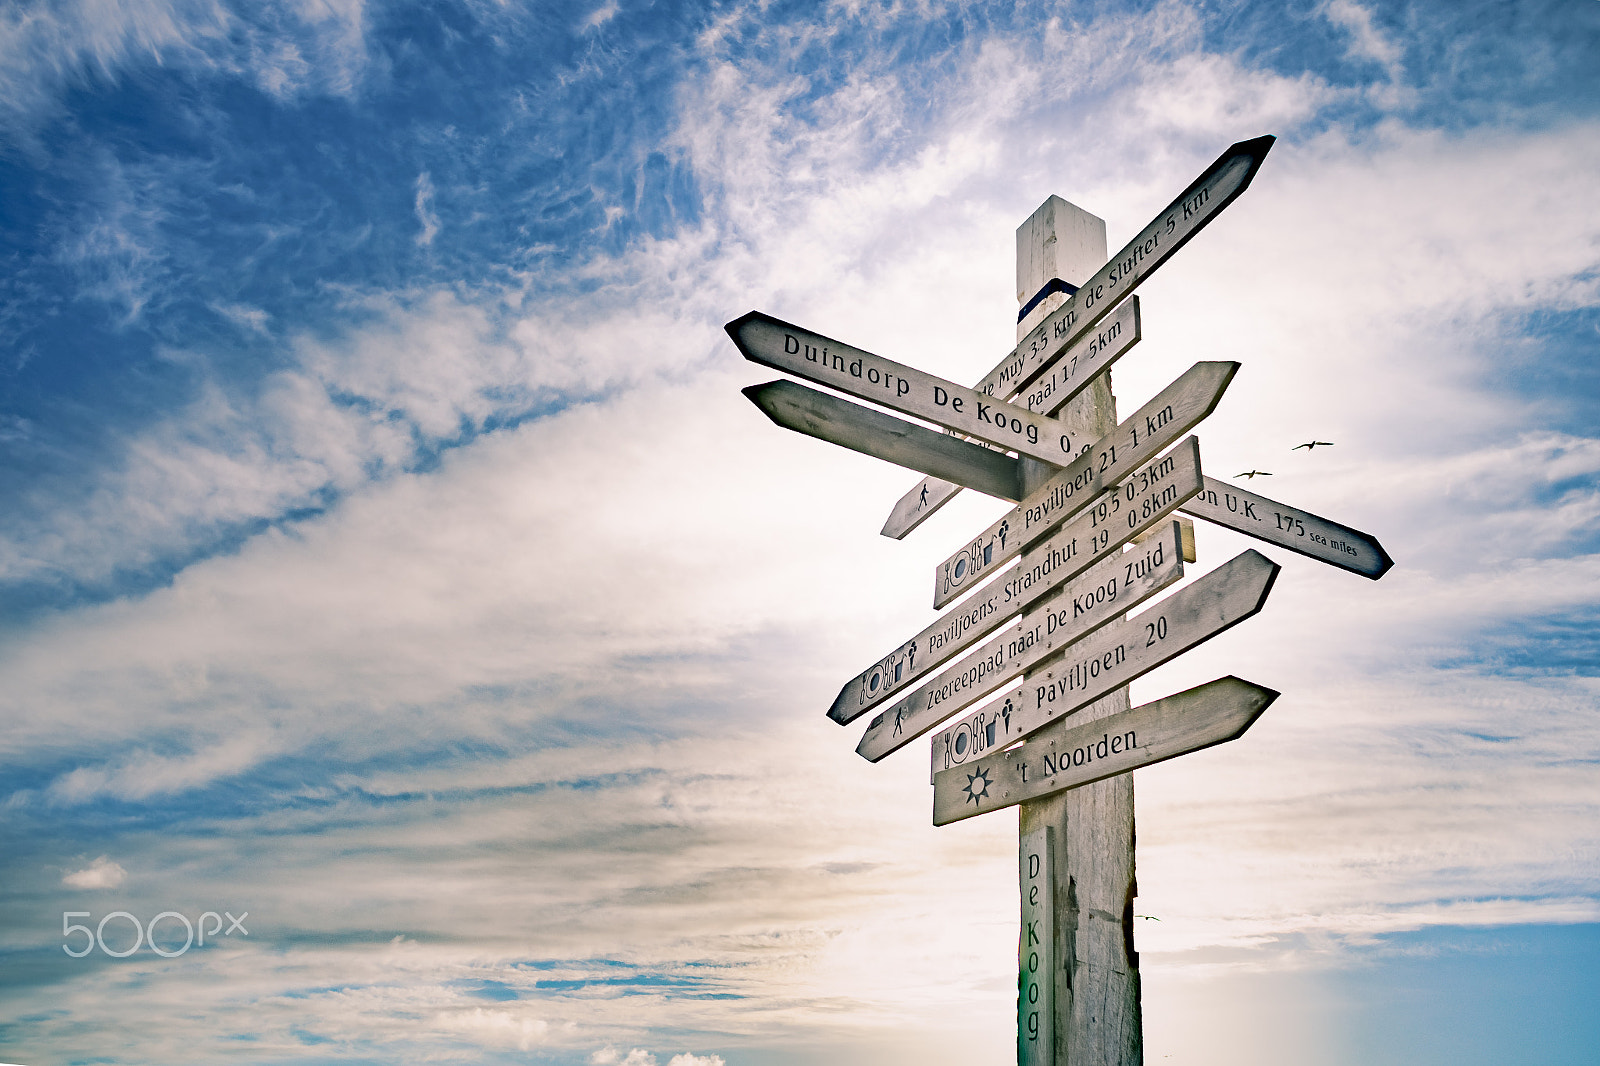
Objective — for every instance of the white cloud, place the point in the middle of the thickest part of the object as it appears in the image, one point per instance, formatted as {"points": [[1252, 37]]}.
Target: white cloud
{"points": [[601, 15], [496, 1028], [145, 775], [46, 49], [101, 873], [610, 1056], [1367, 41], [426, 216]]}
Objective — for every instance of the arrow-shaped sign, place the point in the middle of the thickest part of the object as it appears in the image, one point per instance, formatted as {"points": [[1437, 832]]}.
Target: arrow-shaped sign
{"points": [[1290, 527], [1065, 755], [1112, 519], [783, 346], [1067, 377], [1177, 409], [952, 634], [861, 429], [1054, 562], [1217, 187], [1107, 660], [1115, 586]]}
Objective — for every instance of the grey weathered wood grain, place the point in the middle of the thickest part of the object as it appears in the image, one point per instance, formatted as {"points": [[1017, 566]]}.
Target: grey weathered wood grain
{"points": [[1112, 587], [1290, 527], [1174, 411], [1106, 659], [1036, 950], [1112, 519], [917, 506], [1093, 826], [1069, 755], [876, 379], [883, 436]]}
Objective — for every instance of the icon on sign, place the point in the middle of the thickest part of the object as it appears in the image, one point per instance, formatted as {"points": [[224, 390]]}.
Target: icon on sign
{"points": [[981, 780]]}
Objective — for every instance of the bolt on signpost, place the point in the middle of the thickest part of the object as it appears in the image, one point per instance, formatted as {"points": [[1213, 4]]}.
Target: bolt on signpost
{"points": [[1037, 606]]}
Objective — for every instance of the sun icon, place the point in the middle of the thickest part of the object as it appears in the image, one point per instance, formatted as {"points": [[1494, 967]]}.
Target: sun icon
{"points": [[981, 780]]}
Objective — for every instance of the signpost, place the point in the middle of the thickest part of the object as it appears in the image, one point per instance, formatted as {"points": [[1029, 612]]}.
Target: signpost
{"points": [[1205, 198], [1175, 410], [1093, 667], [1101, 348], [1037, 603], [1112, 518], [1114, 586], [1100, 662], [1067, 755]]}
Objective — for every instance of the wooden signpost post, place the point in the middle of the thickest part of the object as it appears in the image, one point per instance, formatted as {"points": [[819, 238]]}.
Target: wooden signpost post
{"points": [[1036, 605]]}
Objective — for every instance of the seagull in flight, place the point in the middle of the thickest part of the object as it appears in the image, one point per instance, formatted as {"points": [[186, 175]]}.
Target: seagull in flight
{"points": [[1312, 445], [1255, 473]]}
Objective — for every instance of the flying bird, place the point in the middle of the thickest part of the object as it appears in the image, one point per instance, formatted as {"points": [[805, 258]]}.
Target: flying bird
{"points": [[1255, 473], [1311, 445]]}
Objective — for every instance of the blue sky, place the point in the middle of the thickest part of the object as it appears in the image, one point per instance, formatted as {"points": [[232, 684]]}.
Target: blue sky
{"points": [[386, 549]]}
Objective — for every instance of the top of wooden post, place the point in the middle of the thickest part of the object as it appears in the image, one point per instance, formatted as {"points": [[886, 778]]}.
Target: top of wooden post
{"points": [[1059, 240]]}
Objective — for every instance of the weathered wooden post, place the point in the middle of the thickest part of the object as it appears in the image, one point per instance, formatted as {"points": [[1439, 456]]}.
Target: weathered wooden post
{"points": [[1085, 834], [1037, 605]]}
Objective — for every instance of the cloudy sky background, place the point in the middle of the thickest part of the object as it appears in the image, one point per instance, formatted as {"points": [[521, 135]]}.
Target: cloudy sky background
{"points": [[387, 551]]}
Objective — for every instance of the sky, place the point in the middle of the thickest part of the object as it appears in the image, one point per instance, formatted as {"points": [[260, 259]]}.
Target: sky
{"points": [[389, 561]]}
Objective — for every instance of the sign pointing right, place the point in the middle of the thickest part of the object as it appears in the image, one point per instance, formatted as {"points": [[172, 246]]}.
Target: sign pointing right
{"points": [[1174, 411], [1066, 755], [1108, 659], [1290, 527], [1216, 187]]}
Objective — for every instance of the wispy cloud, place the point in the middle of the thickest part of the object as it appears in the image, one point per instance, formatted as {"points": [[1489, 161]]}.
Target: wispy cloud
{"points": [[424, 204], [101, 873]]}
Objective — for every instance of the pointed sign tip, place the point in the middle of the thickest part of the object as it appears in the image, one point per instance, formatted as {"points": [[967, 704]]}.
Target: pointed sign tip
{"points": [[1385, 564], [1265, 694], [761, 396], [1256, 146], [732, 328]]}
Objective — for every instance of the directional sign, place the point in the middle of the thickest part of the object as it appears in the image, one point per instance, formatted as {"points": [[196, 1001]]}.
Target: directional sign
{"points": [[1203, 200], [1170, 230], [961, 628], [918, 505], [1106, 660], [895, 440], [1068, 376], [1177, 409], [783, 346], [1092, 353], [1115, 586], [1290, 527], [1065, 755], [1115, 517]]}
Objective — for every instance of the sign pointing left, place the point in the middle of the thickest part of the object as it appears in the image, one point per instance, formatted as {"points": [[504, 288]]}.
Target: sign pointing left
{"points": [[849, 425], [782, 346]]}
